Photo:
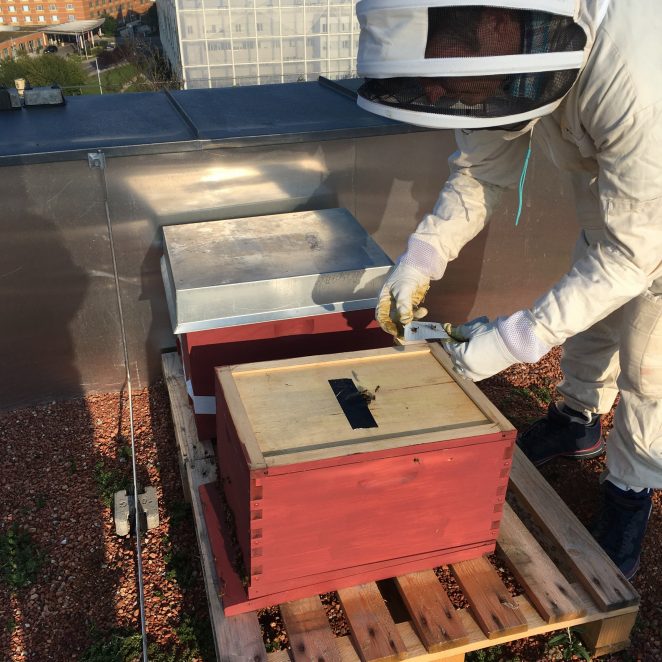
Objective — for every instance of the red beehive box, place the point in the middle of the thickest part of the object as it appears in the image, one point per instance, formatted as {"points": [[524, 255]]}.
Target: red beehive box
{"points": [[349, 468], [269, 287]]}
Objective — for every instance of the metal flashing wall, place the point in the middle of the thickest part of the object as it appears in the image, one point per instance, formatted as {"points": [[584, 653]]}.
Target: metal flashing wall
{"points": [[217, 154]]}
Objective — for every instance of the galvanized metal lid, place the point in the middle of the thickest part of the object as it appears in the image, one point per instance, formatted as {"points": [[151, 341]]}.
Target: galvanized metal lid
{"points": [[246, 270]]}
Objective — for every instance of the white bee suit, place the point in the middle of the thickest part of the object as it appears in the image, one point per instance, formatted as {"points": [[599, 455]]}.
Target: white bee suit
{"points": [[607, 309]]}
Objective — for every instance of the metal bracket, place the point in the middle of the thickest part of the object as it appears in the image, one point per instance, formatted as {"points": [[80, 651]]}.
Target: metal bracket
{"points": [[96, 160], [124, 511]]}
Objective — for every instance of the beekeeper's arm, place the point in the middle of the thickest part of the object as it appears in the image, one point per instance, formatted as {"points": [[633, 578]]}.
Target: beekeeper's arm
{"points": [[624, 266], [485, 163], [628, 139]]}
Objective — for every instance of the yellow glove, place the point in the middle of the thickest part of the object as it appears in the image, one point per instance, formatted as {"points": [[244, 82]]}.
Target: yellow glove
{"points": [[400, 298]]}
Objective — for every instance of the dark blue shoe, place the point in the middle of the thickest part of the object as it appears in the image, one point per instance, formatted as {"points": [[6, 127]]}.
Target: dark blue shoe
{"points": [[621, 525], [564, 432]]}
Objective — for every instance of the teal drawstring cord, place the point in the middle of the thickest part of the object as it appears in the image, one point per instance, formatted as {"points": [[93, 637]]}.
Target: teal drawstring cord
{"points": [[522, 177]]}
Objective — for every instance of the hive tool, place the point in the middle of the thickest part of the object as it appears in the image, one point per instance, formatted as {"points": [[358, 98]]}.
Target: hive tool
{"points": [[425, 331]]}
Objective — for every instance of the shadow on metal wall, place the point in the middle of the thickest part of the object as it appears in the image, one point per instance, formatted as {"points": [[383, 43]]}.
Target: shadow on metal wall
{"points": [[45, 448]]}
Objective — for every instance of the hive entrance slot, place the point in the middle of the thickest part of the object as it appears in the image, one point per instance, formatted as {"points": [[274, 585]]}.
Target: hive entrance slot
{"points": [[354, 403]]}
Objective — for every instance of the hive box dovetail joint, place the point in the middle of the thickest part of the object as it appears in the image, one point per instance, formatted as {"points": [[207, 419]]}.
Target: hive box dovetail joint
{"points": [[319, 505]]}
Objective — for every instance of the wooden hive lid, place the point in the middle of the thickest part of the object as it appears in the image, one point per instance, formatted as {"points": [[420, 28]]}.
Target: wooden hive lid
{"points": [[286, 412]]}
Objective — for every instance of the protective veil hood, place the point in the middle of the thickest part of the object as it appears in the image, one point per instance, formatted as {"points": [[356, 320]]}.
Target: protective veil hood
{"points": [[460, 64]]}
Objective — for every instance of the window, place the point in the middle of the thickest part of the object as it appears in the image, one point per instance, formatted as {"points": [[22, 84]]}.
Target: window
{"points": [[39, 7], [54, 18], [12, 9], [25, 8], [71, 17], [41, 19], [292, 22], [52, 7], [14, 19], [70, 6], [192, 24], [268, 50], [2, 20], [28, 19], [217, 23], [219, 52]]}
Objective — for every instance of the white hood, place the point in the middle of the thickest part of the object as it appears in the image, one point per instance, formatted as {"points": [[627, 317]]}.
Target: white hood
{"points": [[393, 41]]}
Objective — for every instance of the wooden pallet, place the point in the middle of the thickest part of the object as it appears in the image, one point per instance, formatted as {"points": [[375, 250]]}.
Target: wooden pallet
{"points": [[597, 599]]}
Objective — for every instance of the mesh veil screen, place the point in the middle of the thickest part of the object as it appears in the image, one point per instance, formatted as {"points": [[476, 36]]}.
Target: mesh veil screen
{"points": [[474, 32], [510, 97]]}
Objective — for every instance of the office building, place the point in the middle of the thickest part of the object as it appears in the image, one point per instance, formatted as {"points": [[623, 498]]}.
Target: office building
{"points": [[220, 43]]}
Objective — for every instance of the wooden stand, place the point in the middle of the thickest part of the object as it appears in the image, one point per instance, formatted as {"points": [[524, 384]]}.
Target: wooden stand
{"points": [[597, 598]]}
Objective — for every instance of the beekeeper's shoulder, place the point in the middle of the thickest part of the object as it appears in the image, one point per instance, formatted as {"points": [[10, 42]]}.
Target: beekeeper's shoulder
{"points": [[623, 75]]}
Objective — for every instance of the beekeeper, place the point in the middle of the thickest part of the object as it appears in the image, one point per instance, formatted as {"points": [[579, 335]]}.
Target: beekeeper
{"points": [[583, 80]]}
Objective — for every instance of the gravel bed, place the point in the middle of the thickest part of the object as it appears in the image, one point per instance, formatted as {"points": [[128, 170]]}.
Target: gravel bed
{"points": [[68, 585]]}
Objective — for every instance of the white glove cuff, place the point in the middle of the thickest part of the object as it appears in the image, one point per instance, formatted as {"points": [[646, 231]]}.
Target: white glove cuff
{"points": [[422, 256], [520, 339]]}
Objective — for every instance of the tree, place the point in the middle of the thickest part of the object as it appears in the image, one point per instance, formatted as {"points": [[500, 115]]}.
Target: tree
{"points": [[43, 70], [151, 18], [154, 69], [109, 26]]}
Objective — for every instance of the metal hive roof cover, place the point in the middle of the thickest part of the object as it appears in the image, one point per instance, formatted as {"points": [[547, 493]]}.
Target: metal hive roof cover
{"points": [[246, 270]]}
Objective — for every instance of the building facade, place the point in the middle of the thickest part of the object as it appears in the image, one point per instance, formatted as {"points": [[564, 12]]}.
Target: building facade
{"points": [[21, 42], [39, 13], [220, 43]]}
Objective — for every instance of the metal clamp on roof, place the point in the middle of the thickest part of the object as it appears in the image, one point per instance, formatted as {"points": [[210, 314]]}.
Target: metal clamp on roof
{"points": [[9, 98], [43, 96]]}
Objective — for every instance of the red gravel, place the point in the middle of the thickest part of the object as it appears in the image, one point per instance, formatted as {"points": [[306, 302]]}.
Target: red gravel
{"points": [[59, 458]]}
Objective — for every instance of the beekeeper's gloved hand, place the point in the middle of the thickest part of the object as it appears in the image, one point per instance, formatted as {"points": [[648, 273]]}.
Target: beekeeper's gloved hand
{"points": [[406, 285], [401, 297], [481, 348]]}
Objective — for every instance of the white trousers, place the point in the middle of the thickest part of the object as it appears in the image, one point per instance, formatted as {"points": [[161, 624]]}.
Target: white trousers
{"points": [[622, 353]]}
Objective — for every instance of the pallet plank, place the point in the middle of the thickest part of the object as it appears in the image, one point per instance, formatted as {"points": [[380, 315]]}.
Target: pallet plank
{"points": [[239, 637], [594, 569], [373, 631], [477, 639], [309, 631], [494, 608], [546, 587], [190, 447], [432, 613]]}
